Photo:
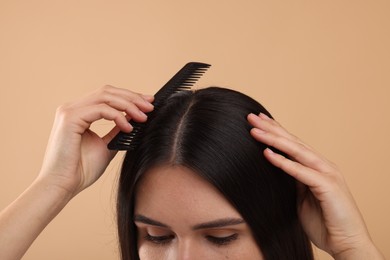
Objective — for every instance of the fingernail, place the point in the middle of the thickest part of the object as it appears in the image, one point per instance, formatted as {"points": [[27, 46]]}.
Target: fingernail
{"points": [[269, 150], [148, 96], [142, 114], [258, 131], [263, 116], [149, 105]]}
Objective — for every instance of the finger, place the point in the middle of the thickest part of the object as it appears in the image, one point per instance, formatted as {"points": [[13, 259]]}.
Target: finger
{"points": [[110, 135], [295, 150], [123, 97], [117, 97], [148, 98], [273, 126], [143, 101], [265, 117], [128, 94], [298, 171], [302, 191], [134, 110], [267, 124], [103, 111]]}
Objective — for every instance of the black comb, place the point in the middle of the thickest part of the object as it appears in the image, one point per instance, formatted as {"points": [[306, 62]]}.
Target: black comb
{"points": [[183, 80]]}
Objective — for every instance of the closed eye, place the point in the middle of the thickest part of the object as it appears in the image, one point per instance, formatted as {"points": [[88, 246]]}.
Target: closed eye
{"points": [[159, 240], [221, 241]]}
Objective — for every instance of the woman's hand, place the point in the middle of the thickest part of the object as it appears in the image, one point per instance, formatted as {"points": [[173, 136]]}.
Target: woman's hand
{"points": [[326, 208], [76, 156]]}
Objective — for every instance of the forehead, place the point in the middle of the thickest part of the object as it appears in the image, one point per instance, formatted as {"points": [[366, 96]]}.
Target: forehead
{"points": [[176, 192]]}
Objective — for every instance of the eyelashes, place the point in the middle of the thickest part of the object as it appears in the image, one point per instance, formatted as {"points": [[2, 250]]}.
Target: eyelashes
{"points": [[159, 240], [221, 241], [218, 241]]}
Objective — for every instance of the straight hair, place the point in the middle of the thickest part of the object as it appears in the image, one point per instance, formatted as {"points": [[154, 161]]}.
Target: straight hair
{"points": [[207, 131]]}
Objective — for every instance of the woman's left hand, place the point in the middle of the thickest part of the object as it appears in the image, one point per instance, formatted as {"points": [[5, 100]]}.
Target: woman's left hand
{"points": [[326, 208]]}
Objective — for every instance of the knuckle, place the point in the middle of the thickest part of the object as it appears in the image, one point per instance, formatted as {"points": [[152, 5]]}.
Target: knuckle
{"points": [[286, 165], [106, 88], [301, 147], [299, 150], [335, 178], [64, 112], [278, 141], [133, 97], [131, 110], [119, 117], [316, 162], [63, 109], [104, 96], [334, 166], [103, 107], [295, 138]]}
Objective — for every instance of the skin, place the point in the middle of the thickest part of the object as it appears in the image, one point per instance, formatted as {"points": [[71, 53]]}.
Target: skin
{"points": [[327, 210], [76, 157], [181, 216]]}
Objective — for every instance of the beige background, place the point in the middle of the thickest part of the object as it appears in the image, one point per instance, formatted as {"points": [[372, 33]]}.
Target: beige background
{"points": [[321, 67]]}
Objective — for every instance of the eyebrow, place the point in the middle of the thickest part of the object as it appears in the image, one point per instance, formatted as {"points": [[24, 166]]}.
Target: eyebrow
{"points": [[223, 222], [149, 221]]}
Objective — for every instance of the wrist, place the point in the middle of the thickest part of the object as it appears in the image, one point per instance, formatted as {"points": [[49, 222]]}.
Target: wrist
{"points": [[57, 188], [365, 251], [25, 218], [65, 181]]}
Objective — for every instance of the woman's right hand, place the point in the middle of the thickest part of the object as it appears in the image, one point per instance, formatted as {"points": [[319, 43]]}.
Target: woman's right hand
{"points": [[76, 156]]}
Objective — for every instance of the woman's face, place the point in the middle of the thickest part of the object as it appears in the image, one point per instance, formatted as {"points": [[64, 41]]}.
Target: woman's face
{"points": [[181, 216]]}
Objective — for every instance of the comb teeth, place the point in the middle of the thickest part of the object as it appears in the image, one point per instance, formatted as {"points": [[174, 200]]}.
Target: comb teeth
{"points": [[128, 141], [183, 80]]}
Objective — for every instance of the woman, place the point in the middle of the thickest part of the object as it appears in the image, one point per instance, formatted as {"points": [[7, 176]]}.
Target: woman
{"points": [[181, 195]]}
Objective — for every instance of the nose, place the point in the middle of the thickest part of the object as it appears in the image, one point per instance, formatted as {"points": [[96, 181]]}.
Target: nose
{"points": [[189, 250]]}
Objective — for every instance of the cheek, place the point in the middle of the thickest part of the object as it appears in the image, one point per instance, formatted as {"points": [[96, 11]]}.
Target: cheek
{"points": [[146, 251], [245, 248], [250, 250]]}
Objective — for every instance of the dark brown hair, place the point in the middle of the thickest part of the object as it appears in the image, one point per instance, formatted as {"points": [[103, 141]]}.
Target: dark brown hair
{"points": [[207, 131]]}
